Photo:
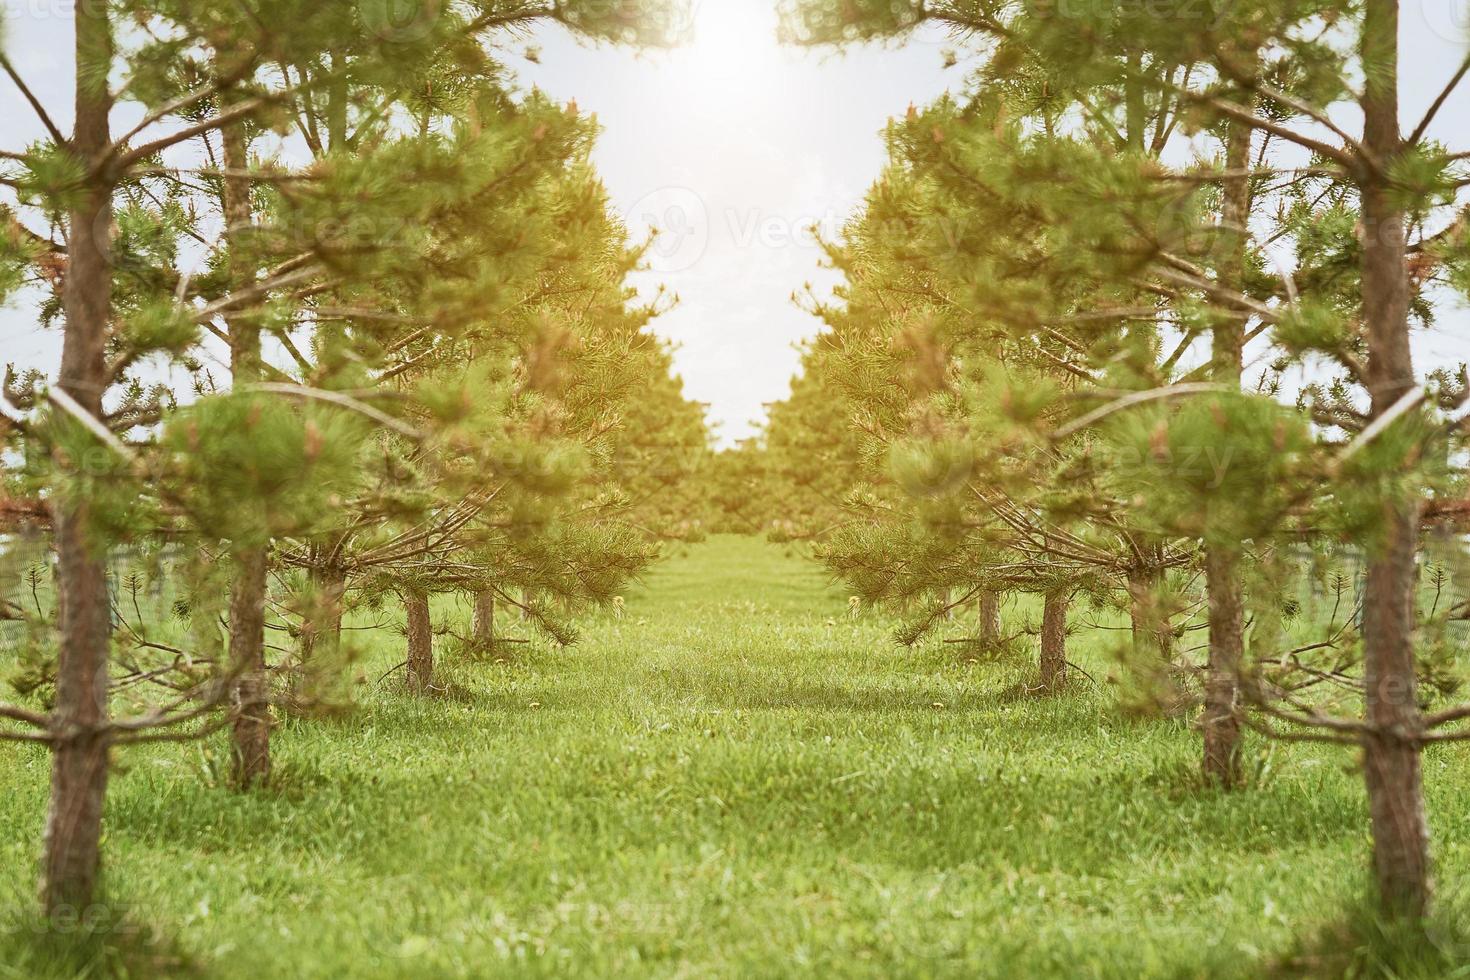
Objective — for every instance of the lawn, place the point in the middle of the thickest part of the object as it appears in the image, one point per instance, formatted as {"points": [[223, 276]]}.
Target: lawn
{"points": [[736, 778]]}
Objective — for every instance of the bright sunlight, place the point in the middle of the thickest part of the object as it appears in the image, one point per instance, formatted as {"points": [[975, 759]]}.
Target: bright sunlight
{"points": [[577, 488], [731, 56]]}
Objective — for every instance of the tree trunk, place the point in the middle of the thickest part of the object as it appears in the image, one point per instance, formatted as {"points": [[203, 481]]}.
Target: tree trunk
{"points": [[1221, 721], [420, 643], [989, 608], [1266, 615], [79, 763], [336, 105], [1391, 765], [1138, 590], [1152, 636], [321, 682], [483, 629], [250, 728], [1152, 653], [1135, 108], [321, 634], [1054, 640]]}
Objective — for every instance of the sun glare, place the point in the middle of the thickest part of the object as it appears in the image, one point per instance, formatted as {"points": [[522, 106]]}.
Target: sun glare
{"points": [[733, 48]]}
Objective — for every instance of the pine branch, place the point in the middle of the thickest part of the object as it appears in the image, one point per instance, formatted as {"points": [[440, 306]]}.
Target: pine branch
{"points": [[1438, 103], [35, 103], [1240, 113], [1133, 400], [118, 160], [344, 401], [254, 292]]}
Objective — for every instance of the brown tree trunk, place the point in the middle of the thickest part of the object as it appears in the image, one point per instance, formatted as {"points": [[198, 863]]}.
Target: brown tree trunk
{"points": [[1221, 721], [483, 628], [321, 634], [1136, 109], [250, 728], [71, 856], [336, 105], [1152, 635], [1054, 640], [420, 643], [1391, 765], [322, 681], [989, 609]]}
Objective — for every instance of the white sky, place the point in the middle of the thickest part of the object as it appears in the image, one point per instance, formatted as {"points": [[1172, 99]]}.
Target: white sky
{"points": [[734, 147]]}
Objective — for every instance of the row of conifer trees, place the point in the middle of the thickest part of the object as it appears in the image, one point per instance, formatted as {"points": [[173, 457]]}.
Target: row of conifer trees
{"points": [[1130, 320], [343, 318]]}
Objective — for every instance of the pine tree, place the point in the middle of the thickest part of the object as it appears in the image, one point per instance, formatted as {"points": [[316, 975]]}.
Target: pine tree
{"points": [[911, 347], [813, 458], [1266, 81], [272, 456]]}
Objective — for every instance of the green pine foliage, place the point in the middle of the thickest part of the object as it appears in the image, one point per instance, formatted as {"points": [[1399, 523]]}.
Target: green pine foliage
{"points": [[1124, 343], [365, 330], [1073, 303]]}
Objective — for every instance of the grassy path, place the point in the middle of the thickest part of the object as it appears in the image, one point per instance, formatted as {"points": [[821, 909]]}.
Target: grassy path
{"points": [[734, 779]]}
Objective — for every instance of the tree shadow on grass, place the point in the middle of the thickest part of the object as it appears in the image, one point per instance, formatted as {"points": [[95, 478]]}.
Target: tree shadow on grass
{"points": [[105, 939], [1361, 942], [756, 690], [1082, 823]]}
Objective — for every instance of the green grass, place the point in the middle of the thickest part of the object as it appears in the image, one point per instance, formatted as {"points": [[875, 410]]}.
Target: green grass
{"points": [[735, 779]]}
